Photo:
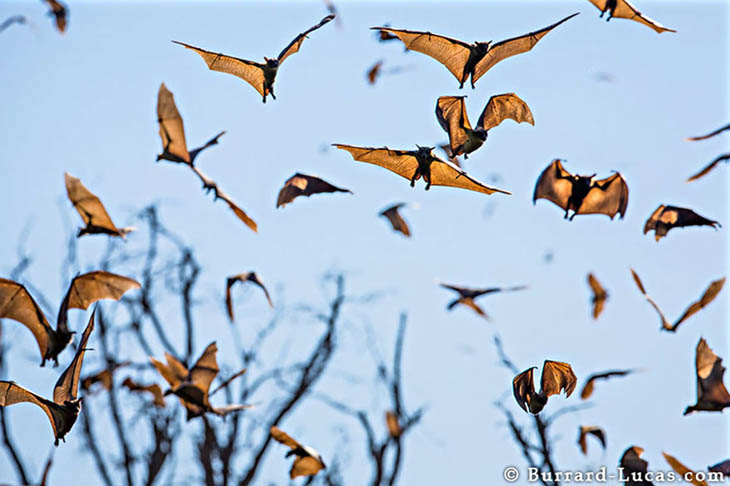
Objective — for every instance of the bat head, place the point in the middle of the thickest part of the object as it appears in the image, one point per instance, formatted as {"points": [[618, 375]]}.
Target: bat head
{"points": [[273, 63], [482, 47], [424, 151], [481, 133]]}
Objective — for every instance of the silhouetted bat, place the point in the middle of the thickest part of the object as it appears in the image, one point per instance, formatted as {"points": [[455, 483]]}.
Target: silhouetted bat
{"points": [[153, 389], [582, 194], [686, 473], [721, 467], [622, 9], [66, 405], [556, 377], [104, 377], [396, 220], [91, 210], [712, 396], [709, 135], [467, 296], [710, 166], [587, 390], [307, 462], [304, 185], [599, 295], [414, 164], [463, 139], [463, 59], [634, 467], [708, 296], [391, 421], [15, 19], [243, 277], [16, 303], [260, 76], [59, 12], [585, 431], [664, 218]]}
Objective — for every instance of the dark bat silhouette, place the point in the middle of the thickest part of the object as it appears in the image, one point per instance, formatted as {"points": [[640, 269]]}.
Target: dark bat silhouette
{"points": [[92, 211], [463, 59], [15, 19], [582, 194], [304, 185], [467, 296], [585, 431], [414, 164], [599, 295], [556, 377], [242, 278], [622, 9], [260, 76], [709, 135], [16, 303], [686, 473], [708, 296], [664, 218], [587, 390], [59, 12], [393, 425], [721, 467], [104, 377], [710, 166], [634, 467], [396, 220], [384, 35], [463, 139], [307, 462], [153, 389], [63, 411], [712, 396]]}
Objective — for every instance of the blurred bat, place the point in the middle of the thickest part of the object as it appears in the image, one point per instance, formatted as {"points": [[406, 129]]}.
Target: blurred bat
{"points": [[260, 76], [304, 185], [556, 377], [414, 164], [710, 166], [384, 35], [585, 431], [59, 12], [92, 211], [376, 70], [399, 224], [15, 19], [467, 296], [686, 473], [712, 396], [622, 9], [153, 389], [721, 467], [391, 421], [242, 278], [66, 405], [463, 59], [16, 303], [582, 194], [587, 390], [599, 295], [634, 467], [664, 218], [463, 139], [104, 377], [709, 135], [708, 296], [308, 462]]}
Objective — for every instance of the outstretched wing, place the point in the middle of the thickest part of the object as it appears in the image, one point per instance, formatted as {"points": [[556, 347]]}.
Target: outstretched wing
{"points": [[624, 10], [396, 220], [451, 114], [587, 390], [305, 466], [209, 184], [709, 295], [304, 185], [174, 372], [637, 280], [172, 131], [599, 295], [213, 141], [294, 45], [522, 386], [556, 377], [243, 277], [89, 206], [554, 184], [402, 162], [686, 473], [709, 135], [503, 106], [445, 173], [67, 386], [10, 394], [583, 433], [283, 438], [205, 369], [608, 196], [16, 303], [709, 167]]}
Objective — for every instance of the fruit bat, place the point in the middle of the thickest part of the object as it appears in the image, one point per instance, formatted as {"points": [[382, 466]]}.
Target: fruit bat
{"points": [[463, 139], [634, 468], [377, 70], [15, 19], [710, 166], [664, 218], [396, 220], [686, 473], [587, 390], [414, 164], [304, 185], [708, 296], [467, 296], [66, 405], [582, 194], [16, 303], [599, 295], [463, 59], [91, 210], [622, 9], [104, 377], [709, 135], [153, 389], [712, 396], [260, 76], [585, 431], [242, 278], [307, 462], [59, 12], [556, 377], [721, 467], [391, 421]]}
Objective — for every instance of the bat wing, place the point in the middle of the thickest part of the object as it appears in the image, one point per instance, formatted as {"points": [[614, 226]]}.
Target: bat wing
{"points": [[685, 217], [554, 184], [305, 466], [244, 277], [226, 409], [253, 278], [452, 116], [556, 377], [709, 295], [721, 467], [445, 173], [283, 438], [686, 473], [503, 106], [624, 10], [599, 295], [402, 162], [60, 14], [452, 53], [396, 220], [67, 386], [294, 45], [511, 47], [637, 280], [213, 141], [469, 302], [250, 71], [587, 390], [240, 213], [522, 386], [205, 369], [304, 185], [709, 135], [374, 72], [16, 303], [89, 206], [10, 394], [153, 389], [174, 372], [94, 286], [584, 432], [709, 167], [608, 196], [710, 386], [172, 131]]}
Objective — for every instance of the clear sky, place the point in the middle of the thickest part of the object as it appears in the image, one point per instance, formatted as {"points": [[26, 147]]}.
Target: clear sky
{"points": [[85, 103]]}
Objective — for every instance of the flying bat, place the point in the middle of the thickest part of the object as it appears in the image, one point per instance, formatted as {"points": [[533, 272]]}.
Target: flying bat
{"points": [[664, 218], [686, 473], [463, 139], [710, 166], [104, 377], [582, 194], [467, 296], [414, 164], [153, 389], [622, 9], [384, 35], [463, 59], [307, 462], [16, 303], [583, 433], [709, 135], [556, 377], [712, 396], [66, 405], [393, 215], [304, 185], [243, 278], [376, 70], [599, 295], [59, 12], [634, 468], [391, 422], [587, 390], [91, 210], [260, 76], [708, 296], [15, 19]]}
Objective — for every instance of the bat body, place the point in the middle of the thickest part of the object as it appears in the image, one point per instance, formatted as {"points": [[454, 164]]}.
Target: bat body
{"points": [[462, 59], [634, 467], [582, 194], [585, 431], [307, 461], [622, 9], [91, 210], [712, 396], [599, 295], [587, 390], [259, 75], [556, 377], [463, 139], [243, 278], [399, 224], [664, 218], [414, 164], [468, 295], [59, 12], [686, 473], [304, 185]]}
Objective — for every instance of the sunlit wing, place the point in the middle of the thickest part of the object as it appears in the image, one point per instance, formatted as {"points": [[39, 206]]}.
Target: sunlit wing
{"points": [[295, 44], [87, 204], [94, 286], [522, 386], [611, 200], [625, 10], [708, 296], [447, 174], [503, 106], [709, 135], [172, 131], [17, 304], [553, 185], [686, 473], [556, 377], [402, 162], [282, 437], [452, 116], [67, 386], [10, 394], [640, 285], [205, 369], [709, 167], [305, 466]]}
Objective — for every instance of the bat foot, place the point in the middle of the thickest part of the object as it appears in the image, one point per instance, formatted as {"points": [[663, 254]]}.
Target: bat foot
{"points": [[428, 186], [413, 182]]}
